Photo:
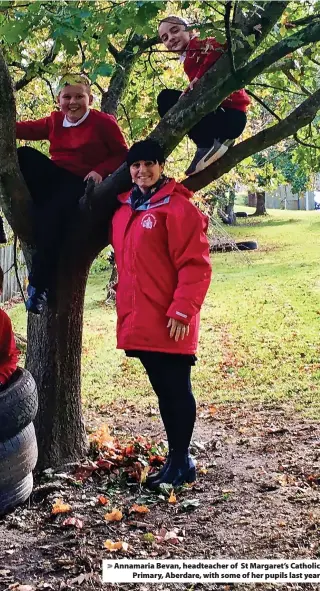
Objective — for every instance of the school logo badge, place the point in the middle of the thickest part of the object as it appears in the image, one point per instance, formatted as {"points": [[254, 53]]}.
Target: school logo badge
{"points": [[148, 221]]}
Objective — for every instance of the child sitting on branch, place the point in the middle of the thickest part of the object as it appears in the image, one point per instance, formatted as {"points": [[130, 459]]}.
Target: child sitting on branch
{"points": [[216, 132], [84, 144]]}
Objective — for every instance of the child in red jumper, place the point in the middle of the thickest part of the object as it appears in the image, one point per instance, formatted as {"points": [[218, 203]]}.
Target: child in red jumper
{"points": [[216, 132], [84, 144], [8, 351]]}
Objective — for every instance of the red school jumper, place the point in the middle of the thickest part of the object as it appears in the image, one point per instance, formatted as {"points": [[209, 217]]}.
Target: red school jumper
{"points": [[162, 257], [96, 144], [201, 54], [9, 353]]}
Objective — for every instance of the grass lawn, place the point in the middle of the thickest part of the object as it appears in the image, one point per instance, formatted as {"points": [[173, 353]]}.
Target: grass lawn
{"points": [[260, 324]]}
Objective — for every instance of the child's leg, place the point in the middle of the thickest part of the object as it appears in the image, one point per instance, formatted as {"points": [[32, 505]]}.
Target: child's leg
{"points": [[52, 218], [167, 99], [213, 135], [221, 125], [55, 192]]}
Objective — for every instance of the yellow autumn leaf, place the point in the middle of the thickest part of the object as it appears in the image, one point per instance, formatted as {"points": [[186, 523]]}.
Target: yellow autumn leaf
{"points": [[60, 507], [139, 509], [114, 515], [172, 499], [203, 470], [144, 474], [114, 546]]}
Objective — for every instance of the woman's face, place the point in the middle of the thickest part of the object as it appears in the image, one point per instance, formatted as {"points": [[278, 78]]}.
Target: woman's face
{"points": [[145, 173]]}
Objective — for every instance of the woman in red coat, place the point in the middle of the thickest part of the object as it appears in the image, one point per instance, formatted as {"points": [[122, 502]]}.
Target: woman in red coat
{"points": [[162, 257]]}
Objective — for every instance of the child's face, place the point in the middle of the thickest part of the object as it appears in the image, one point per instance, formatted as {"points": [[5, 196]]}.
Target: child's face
{"points": [[74, 101], [174, 36]]}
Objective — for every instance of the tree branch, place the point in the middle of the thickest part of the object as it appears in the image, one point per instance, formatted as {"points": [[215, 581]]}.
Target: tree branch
{"points": [[300, 117], [228, 36], [302, 21], [263, 104], [36, 67], [292, 79]]}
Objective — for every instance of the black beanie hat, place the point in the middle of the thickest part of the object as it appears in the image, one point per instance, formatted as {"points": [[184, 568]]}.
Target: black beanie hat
{"points": [[145, 150]]}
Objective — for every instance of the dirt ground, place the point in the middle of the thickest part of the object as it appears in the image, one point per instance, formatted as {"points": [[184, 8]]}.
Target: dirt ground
{"points": [[257, 496]]}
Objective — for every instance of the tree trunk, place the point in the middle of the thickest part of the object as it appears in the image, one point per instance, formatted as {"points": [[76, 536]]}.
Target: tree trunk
{"points": [[54, 359], [261, 203], [229, 208]]}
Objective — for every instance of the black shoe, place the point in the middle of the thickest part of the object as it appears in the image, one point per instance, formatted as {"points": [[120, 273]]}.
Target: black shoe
{"points": [[150, 479], [3, 238], [36, 300], [181, 469], [206, 156]]}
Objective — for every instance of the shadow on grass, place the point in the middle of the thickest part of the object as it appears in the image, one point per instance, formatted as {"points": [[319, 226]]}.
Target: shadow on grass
{"points": [[263, 222]]}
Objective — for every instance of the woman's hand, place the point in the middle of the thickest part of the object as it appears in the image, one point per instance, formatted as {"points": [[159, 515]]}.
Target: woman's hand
{"points": [[190, 87], [95, 176], [178, 330]]}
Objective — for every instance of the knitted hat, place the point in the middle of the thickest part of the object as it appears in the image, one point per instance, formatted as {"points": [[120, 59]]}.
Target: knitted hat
{"points": [[145, 150]]}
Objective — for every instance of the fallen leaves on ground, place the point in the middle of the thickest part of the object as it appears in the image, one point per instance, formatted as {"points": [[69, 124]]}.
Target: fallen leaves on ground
{"points": [[169, 536], [60, 507], [139, 509], [172, 499], [114, 546], [103, 500], [75, 521], [114, 515]]}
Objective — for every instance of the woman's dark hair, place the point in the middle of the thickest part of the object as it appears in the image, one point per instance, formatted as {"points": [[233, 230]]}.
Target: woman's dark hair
{"points": [[1, 278], [145, 150]]}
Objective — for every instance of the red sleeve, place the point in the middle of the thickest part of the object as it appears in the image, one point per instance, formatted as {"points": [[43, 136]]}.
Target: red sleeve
{"points": [[189, 250], [116, 145], [211, 52], [9, 353], [33, 130]]}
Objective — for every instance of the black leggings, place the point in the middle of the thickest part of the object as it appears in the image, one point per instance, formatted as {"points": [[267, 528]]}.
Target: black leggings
{"points": [[55, 193], [169, 375], [221, 124]]}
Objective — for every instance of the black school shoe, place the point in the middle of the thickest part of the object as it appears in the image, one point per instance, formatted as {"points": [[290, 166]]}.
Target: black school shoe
{"points": [[3, 237], [36, 300], [206, 156], [181, 469]]}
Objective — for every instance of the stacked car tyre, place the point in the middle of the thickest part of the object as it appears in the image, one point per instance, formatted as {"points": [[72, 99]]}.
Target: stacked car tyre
{"points": [[18, 444]]}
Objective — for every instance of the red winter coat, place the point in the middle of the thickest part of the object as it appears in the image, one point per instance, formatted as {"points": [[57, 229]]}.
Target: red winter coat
{"points": [[201, 54], [162, 257], [96, 144], [8, 351]]}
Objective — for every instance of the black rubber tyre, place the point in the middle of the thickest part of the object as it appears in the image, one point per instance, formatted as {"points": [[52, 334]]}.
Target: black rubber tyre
{"points": [[18, 457], [241, 214], [16, 494], [18, 404], [250, 245]]}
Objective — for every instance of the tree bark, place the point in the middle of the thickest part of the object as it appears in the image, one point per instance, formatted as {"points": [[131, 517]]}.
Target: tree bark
{"points": [[54, 359], [261, 203]]}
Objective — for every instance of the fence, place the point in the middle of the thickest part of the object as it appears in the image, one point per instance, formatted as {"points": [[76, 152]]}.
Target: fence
{"points": [[10, 283]]}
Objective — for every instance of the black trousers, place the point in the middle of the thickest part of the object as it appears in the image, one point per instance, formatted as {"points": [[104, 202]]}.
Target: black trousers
{"points": [[221, 124], [170, 377], [55, 193]]}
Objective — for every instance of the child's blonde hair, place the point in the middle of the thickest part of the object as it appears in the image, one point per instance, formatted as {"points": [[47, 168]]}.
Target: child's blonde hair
{"points": [[73, 78]]}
